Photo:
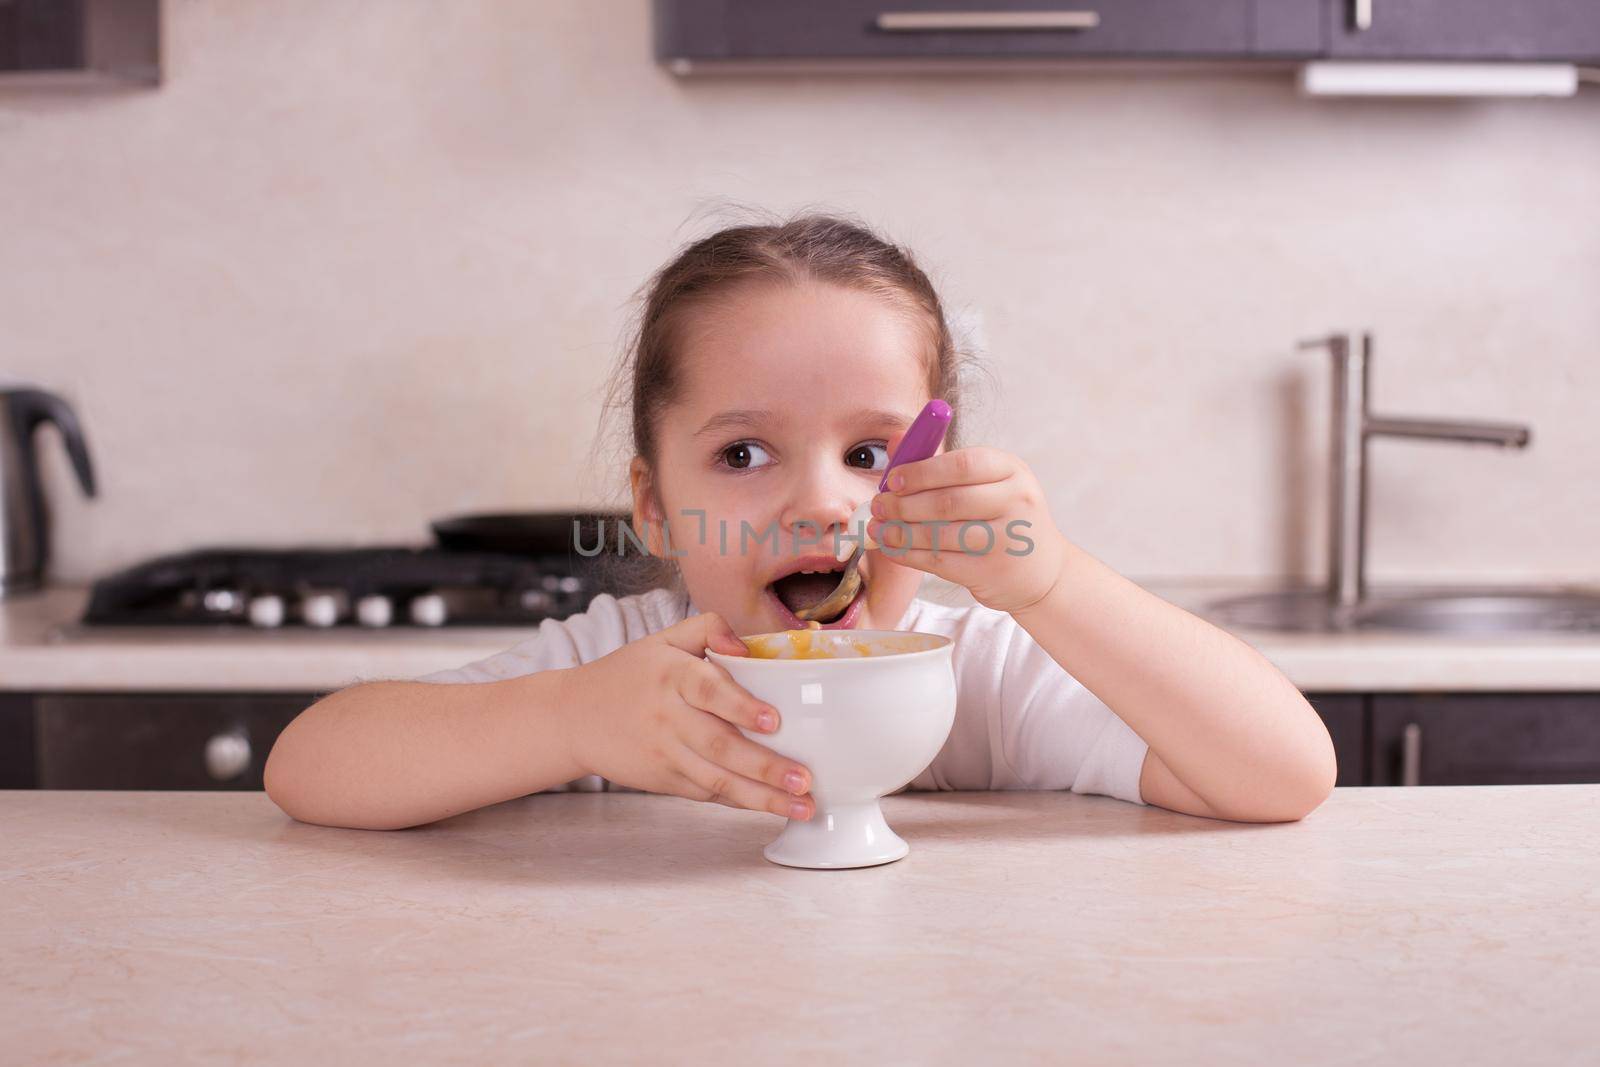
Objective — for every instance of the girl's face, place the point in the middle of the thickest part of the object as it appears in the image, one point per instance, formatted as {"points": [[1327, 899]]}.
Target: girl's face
{"points": [[789, 393]]}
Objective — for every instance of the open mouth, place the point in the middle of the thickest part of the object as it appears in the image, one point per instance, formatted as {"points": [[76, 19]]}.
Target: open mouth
{"points": [[812, 581]]}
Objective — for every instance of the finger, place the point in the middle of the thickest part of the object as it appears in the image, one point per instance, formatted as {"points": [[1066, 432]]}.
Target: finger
{"points": [[731, 750], [699, 632], [722, 786], [707, 687], [988, 501], [968, 537], [964, 466], [951, 566]]}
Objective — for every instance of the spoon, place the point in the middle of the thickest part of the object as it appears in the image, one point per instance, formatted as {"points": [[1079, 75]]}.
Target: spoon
{"points": [[843, 593], [920, 442]]}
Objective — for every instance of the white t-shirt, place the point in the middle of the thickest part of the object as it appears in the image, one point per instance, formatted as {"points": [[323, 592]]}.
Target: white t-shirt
{"points": [[1021, 721]]}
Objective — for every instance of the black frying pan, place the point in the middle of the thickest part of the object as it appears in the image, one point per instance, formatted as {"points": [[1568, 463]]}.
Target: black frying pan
{"points": [[525, 533]]}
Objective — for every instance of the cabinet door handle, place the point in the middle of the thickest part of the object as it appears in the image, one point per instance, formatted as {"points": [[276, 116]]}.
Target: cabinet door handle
{"points": [[1360, 15], [1411, 755], [981, 21]]}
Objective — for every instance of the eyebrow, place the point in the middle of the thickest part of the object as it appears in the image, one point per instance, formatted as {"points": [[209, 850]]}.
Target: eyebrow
{"points": [[734, 419], [880, 417], [748, 418]]}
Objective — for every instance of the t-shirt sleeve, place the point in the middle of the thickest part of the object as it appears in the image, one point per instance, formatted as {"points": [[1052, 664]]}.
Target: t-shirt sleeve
{"points": [[550, 648], [605, 626], [1053, 733]]}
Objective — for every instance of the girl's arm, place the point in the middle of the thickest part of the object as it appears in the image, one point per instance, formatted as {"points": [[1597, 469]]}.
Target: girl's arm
{"points": [[1230, 737], [386, 755], [653, 715]]}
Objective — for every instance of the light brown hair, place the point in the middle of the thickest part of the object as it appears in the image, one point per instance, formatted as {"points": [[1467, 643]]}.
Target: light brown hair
{"points": [[820, 248], [812, 247]]}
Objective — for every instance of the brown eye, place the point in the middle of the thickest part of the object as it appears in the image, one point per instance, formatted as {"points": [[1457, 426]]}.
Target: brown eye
{"points": [[743, 455], [868, 457]]}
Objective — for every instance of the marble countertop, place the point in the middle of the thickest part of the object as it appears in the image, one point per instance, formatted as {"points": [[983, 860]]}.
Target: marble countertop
{"points": [[1438, 925], [44, 648]]}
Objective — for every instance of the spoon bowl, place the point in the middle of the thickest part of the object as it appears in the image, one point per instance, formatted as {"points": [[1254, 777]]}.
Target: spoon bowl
{"points": [[833, 605]]}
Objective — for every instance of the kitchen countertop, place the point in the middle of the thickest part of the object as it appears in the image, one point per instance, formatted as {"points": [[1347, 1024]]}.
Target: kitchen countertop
{"points": [[43, 648], [1436, 925]]}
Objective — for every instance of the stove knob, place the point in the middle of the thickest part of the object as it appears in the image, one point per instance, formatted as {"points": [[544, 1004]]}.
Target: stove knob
{"points": [[320, 609], [429, 610], [223, 601], [374, 611], [266, 611]]}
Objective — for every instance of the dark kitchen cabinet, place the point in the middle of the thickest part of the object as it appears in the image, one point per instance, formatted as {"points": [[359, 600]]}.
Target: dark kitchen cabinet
{"points": [[1465, 30], [221, 740], [1484, 738], [773, 34], [40, 35], [16, 742], [157, 741], [690, 32], [1345, 715], [80, 42]]}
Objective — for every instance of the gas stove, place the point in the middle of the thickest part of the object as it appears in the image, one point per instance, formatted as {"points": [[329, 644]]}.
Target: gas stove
{"points": [[327, 588]]}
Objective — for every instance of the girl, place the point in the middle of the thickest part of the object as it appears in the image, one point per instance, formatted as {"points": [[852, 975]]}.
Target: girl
{"points": [[773, 370]]}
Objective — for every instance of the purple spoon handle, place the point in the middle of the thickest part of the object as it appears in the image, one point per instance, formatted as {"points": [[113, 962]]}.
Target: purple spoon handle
{"points": [[921, 440]]}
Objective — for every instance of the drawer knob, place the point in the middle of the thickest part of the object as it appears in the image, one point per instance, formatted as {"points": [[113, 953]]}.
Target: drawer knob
{"points": [[227, 755]]}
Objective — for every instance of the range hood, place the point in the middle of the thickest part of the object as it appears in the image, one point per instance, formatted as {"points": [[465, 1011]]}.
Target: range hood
{"points": [[1345, 78], [79, 43]]}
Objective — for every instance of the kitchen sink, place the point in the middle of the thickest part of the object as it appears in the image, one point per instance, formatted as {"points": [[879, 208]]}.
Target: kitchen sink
{"points": [[1346, 604], [1448, 611]]}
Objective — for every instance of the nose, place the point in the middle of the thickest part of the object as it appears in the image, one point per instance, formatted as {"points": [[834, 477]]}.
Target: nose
{"points": [[821, 496]]}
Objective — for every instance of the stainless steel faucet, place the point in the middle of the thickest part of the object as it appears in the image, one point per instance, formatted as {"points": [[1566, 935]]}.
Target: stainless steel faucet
{"points": [[1353, 425]]}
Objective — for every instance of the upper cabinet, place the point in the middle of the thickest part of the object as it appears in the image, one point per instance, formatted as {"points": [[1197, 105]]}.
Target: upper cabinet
{"points": [[691, 34], [1553, 30], [80, 42]]}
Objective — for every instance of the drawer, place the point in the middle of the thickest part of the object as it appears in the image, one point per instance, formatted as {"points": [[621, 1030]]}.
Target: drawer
{"points": [[158, 741], [712, 30], [1485, 738], [1345, 716]]}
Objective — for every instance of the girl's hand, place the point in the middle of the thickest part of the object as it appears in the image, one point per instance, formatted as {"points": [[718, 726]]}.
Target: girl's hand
{"points": [[655, 715], [976, 517]]}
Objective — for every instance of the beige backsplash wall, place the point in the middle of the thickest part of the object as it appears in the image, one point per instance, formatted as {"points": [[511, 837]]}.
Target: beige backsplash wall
{"points": [[359, 264]]}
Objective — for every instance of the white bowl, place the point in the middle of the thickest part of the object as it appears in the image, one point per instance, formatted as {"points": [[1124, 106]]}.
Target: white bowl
{"points": [[866, 721]]}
